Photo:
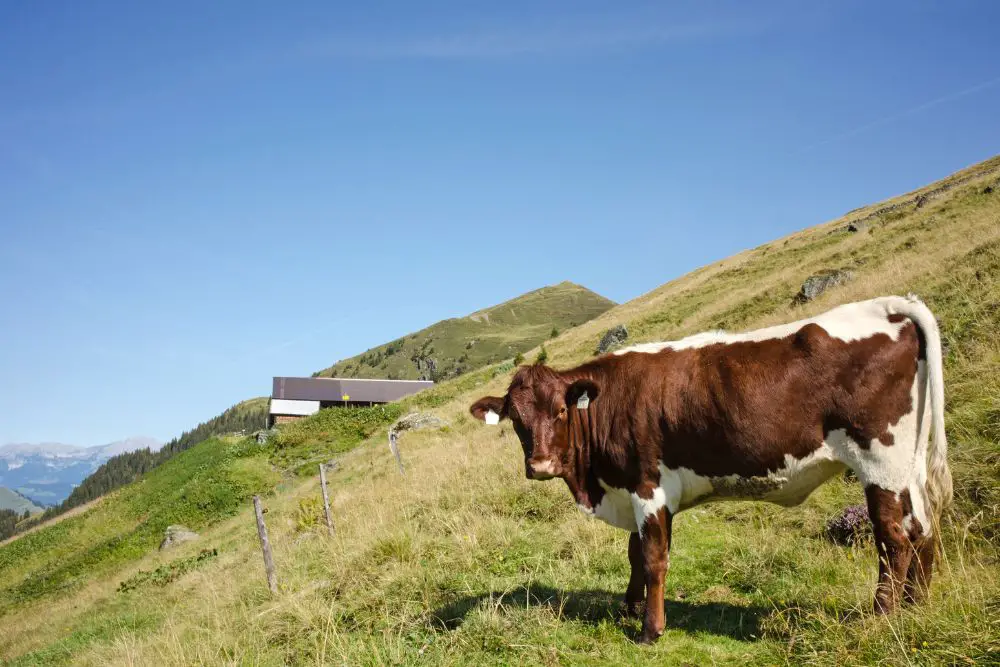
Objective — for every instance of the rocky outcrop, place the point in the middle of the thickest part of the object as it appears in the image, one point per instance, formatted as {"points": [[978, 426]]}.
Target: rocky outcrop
{"points": [[917, 201], [175, 535], [416, 421], [426, 366], [821, 282], [613, 338]]}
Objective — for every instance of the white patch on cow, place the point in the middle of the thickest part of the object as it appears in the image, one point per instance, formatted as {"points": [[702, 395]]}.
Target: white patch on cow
{"points": [[683, 487], [647, 507], [615, 508], [492, 418], [849, 322]]}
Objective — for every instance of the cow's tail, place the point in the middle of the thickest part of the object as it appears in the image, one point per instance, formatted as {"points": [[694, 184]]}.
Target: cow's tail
{"points": [[939, 484]]}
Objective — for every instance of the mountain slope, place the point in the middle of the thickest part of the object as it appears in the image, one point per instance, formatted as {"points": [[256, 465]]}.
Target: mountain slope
{"points": [[128, 465], [455, 346], [463, 561], [12, 500]]}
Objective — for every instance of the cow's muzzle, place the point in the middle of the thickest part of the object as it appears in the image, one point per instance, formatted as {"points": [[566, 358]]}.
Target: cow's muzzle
{"points": [[540, 469]]}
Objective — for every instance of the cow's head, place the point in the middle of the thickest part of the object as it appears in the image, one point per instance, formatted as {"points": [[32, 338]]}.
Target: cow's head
{"points": [[537, 404]]}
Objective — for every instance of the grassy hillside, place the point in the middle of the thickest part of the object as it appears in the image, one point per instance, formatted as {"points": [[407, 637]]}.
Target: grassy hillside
{"points": [[12, 500], [463, 561], [455, 346]]}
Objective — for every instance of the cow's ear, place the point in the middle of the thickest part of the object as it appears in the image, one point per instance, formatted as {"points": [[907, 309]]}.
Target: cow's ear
{"points": [[581, 393], [486, 406]]}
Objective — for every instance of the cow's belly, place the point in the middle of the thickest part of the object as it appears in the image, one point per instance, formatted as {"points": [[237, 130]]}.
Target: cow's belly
{"points": [[787, 486], [682, 488]]}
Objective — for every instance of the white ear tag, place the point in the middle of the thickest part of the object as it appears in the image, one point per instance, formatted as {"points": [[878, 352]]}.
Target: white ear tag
{"points": [[492, 418], [583, 402]]}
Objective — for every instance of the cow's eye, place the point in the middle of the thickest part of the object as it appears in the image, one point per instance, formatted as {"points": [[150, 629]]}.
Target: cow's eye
{"points": [[562, 412]]}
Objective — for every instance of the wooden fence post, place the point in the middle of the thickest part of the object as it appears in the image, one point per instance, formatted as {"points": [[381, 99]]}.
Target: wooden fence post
{"points": [[326, 500], [265, 546], [394, 448]]}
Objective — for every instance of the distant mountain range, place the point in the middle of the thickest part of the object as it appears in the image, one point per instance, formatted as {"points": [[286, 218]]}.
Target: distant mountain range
{"points": [[47, 472]]}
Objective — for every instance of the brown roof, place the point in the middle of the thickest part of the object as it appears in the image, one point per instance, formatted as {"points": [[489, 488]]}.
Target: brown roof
{"points": [[334, 389]]}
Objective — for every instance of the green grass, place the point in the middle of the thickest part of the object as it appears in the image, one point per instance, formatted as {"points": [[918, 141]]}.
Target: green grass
{"points": [[462, 344], [463, 561]]}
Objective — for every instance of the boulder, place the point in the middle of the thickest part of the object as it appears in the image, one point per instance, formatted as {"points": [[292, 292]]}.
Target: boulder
{"points": [[612, 338], [821, 282], [858, 226], [416, 421], [175, 535], [263, 436]]}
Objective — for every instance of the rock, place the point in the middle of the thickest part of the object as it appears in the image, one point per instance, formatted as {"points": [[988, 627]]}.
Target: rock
{"points": [[821, 282], [175, 535], [264, 435], [416, 421], [858, 226], [612, 338]]}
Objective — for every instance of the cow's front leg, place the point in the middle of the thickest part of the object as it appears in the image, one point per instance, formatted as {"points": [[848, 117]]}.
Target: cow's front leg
{"points": [[636, 591], [654, 521]]}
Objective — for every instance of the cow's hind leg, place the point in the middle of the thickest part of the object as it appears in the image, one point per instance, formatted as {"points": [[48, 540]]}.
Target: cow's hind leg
{"points": [[636, 591], [895, 550], [918, 578]]}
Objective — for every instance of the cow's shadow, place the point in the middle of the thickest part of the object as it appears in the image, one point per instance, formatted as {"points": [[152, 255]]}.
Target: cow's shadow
{"points": [[598, 606]]}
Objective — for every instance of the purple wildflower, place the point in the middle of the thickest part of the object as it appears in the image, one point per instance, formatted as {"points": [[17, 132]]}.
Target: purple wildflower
{"points": [[851, 527]]}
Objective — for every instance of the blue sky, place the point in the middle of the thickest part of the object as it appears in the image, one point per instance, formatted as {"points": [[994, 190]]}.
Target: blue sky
{"points": [[197, 196]]}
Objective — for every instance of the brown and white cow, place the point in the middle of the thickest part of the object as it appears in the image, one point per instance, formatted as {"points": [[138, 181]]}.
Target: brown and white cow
{"points": [[648, 431]]}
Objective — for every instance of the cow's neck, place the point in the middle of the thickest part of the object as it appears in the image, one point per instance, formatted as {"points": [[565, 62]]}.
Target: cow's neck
{"points": [[587, 440]]}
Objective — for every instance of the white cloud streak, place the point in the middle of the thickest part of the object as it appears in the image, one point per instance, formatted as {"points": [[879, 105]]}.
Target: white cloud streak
{"points": [[555, 40], [950, 97]]}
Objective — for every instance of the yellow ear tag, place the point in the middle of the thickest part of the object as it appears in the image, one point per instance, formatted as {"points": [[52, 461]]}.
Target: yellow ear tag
{"points": [[583, 402], [492, 418]]}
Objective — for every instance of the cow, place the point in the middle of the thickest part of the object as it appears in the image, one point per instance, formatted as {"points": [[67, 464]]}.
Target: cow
{"points": [[648, 431]]}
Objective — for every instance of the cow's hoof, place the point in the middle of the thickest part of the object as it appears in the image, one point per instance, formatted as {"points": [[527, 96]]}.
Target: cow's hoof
{"points": [[648, 637], [884, 605], [632, 609]]}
